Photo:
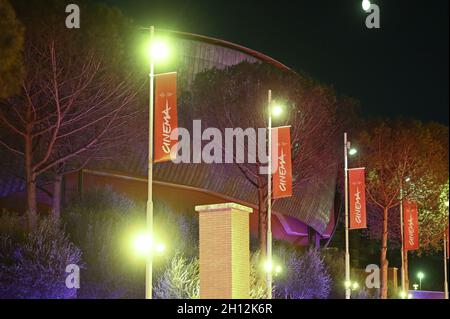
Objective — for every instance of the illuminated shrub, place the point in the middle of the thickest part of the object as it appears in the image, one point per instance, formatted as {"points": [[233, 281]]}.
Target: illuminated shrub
{"points": [[34, 267]]}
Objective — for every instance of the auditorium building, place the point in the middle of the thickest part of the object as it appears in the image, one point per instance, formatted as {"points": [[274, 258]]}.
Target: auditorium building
{"points": [[308, 218]]}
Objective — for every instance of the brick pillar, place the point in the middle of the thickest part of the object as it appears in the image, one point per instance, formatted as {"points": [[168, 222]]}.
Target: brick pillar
{"points": [[224, 251]]}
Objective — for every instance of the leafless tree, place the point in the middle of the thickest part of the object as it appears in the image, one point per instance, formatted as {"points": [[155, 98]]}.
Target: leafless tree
{"points": [[71, 111], [237, 98]]}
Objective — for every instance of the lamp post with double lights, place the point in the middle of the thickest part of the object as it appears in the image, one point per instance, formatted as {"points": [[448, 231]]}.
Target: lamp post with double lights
{"points": [[157, 51], [276, 111], [404, 253], [348, 150]]}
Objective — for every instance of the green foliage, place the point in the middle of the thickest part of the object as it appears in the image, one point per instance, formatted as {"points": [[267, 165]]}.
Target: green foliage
{"points": [[335, 264], [98, 224], [104, 223], [35, 266], [11, 46]]}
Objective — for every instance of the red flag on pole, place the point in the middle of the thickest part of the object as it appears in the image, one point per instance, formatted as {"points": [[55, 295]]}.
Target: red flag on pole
{"points": [[357, 198], [281, 162], [166, 118], [411, 224]]}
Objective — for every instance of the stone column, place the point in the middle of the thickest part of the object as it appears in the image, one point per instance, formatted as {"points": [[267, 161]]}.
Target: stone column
{"points": [[224, 251]]}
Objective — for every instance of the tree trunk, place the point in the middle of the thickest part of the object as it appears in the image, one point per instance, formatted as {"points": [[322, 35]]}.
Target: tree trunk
{"points": [[384, 263], [56, 205], [31, 185]]}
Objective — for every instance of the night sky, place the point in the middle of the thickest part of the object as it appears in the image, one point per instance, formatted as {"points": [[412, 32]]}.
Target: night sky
{"points": [[398, 70]]}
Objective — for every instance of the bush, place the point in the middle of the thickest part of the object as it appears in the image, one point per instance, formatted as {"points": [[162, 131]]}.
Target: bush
{"points": [[305, 277], [335, 264], [98, 223], [103, 224], [35, 267], [181, 279]]}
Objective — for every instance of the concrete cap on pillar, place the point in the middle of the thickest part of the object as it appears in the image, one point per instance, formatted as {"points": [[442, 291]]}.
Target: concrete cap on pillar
{"points": [[223, 207]]}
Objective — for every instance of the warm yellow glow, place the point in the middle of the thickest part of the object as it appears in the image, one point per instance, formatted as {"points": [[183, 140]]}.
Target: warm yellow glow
{"points": [[403, 295], [366, 5], [355, 286], [160, 248], [159, 50], [143, 244], [268, 266], [348, 284], [277, 110], [278, 270]]}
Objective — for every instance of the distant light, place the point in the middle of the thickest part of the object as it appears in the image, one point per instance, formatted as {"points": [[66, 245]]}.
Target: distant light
{"points": [[403, 295], [366, 5], [420, 275], [277, 110], [278, 270], [160, 248], [408, 179], [353, 151], [410, 296], [416, 286], [348, 284], [355, 286], [159, 50], [143, 244]]}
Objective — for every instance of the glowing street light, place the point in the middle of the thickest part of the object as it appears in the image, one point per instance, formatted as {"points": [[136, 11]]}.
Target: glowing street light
{"points": [[352, 151], [403, 294], [278, 270], [366, 5], [355, 286], [348, 150], [159, 50], [420, 275], [277, 110], [143, 244]]}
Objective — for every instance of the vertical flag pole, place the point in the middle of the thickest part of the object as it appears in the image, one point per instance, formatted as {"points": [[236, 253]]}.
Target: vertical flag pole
{"points": [[269, 200], [149, 261], [403, 271], [347, 253], [445, 266]]}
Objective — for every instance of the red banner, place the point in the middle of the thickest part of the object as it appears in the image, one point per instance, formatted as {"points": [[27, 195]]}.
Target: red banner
{"points": [[357, 198], [281, 162], [166, 118], [411, 225]]}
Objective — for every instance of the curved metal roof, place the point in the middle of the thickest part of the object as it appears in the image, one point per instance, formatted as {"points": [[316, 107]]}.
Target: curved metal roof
{"points": [[236, 47]]}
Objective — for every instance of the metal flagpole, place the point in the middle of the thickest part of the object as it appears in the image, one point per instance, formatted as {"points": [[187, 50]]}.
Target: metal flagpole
{"points": [[269, 200], [403, 272], [149, 260], [445, 267], [347, 252]]}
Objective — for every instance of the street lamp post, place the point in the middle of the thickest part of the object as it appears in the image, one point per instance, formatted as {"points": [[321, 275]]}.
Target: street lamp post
{"points": [[404, 253], [420, 275], [445, 267], [149, 260], [348, 290], [269, 196]]}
